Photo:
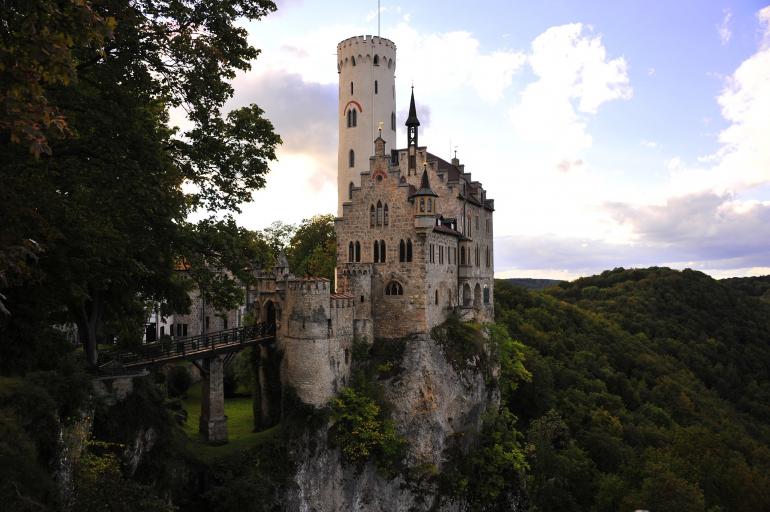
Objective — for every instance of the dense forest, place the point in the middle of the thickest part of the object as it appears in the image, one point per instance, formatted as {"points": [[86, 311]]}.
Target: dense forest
{"points": [[650, 389]]}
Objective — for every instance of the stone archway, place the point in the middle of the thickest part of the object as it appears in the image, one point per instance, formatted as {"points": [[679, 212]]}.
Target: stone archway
{"points": [[467, 295]]}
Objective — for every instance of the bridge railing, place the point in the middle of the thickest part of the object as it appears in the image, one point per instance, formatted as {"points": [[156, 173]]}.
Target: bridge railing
{"points": [[169, 348]]}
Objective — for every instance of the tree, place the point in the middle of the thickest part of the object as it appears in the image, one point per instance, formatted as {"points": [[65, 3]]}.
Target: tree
{"points": [[313, 247], [38, 41], [107, 207]]}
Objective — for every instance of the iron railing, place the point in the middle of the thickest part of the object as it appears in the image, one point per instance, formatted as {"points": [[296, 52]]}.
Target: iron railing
{"points": [[170, 349]]}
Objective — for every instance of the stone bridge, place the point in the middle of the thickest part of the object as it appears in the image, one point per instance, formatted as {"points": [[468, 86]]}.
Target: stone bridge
{"points": [[208, 352]]}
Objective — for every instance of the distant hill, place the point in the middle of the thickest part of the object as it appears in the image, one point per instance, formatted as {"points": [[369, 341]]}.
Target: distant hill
{"points": [[753, 286], [650, 390], [532, 284]]}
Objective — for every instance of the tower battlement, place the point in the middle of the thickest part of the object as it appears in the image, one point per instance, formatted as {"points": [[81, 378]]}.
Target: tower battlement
{"points": [[357, 41]]}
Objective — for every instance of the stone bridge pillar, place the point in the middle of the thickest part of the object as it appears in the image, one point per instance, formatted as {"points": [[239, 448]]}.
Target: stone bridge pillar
{"points": [[213, 422]]}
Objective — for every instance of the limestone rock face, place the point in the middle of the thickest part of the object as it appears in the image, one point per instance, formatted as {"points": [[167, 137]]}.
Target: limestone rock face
{"points": [[431, 402]]}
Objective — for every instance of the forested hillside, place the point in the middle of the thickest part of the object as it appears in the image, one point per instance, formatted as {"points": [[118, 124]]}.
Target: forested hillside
{"points": [[650, 389]]}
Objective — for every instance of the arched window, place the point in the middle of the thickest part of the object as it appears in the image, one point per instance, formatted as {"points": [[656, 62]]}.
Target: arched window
{"points": [[385, 216], [351, 158], [436, 297], [351, 83], [350, 117], [467, 299], [376, 88], [462, 255], [430, 205], [371, 216], [350, 190], [350, 252], [394, 288], [358, 251], [401, 251], [376, 60], [393, 121], [354, 114], [477, 296], [376, 251], [379, 213], [422, 204], [489, 261], [354, 60], [382, 251], [486, 294], [409, 250]]}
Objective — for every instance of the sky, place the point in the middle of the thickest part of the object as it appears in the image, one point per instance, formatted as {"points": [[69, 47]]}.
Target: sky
{"points": [[628, 133]]}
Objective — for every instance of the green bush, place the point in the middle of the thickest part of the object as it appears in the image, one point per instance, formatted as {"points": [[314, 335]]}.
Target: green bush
{"points": [[462, 343], [178, 381], [362, 432]]}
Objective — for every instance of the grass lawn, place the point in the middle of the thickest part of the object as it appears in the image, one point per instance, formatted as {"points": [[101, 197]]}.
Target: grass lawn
{"points": [[240, 423]]}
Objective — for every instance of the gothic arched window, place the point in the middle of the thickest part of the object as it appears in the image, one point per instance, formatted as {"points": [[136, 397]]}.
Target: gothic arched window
{"points": [[376, 251], [379, 213], [354, 61], [382, 251], [350, 190], [394, 288], [350, 252], [358, 251], [372, 216], [385, 215], [401, 251], [351, 158], [354, 114], [486, 294], [409, 250]]}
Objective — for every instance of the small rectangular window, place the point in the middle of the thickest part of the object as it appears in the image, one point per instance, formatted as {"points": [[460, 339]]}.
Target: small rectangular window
{"points": [[184, 329]]}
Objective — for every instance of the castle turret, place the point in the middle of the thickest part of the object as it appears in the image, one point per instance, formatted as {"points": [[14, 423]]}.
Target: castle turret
{"points": [[425, 202], [367, 97]]}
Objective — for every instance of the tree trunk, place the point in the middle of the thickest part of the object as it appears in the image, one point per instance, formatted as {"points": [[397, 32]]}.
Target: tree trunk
{"points": [[87, 318]]}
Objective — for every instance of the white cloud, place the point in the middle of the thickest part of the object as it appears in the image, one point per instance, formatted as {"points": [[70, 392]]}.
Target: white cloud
{"points": [[649, 144], [444, 62], [723, 29], [574, 78], [743, 159]]}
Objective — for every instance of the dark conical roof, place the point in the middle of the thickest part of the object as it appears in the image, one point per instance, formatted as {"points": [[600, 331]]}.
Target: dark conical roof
{"points": [[424, 189], [412, 119]]}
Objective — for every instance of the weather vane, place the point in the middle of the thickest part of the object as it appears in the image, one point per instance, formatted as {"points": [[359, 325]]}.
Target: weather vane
{"points": [[379, 127]]}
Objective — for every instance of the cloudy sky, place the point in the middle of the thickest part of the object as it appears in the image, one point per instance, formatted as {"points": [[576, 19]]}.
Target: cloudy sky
{"points": [[630, 133]]}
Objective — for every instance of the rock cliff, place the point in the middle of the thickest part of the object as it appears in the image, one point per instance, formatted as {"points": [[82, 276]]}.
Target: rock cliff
{"points": [[431, 402]]}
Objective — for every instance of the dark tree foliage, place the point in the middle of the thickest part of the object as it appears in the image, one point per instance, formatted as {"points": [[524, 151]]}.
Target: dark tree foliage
{"points": [[98, 228], [649, 390]]}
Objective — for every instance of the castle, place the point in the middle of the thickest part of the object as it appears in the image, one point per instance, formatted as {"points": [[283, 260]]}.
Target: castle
{"points": [[414, 245], [414, 238]]}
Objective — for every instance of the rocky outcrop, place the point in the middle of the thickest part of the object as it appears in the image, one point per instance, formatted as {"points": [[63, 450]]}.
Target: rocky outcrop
{"points": [[431, 403]]}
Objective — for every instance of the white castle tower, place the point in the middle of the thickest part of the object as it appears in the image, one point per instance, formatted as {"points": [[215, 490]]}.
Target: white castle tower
{"points": [[367, 66]]}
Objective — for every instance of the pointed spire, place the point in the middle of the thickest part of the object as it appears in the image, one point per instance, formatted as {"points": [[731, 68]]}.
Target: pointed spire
{"points": [[412, 119], [424, 189]]}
